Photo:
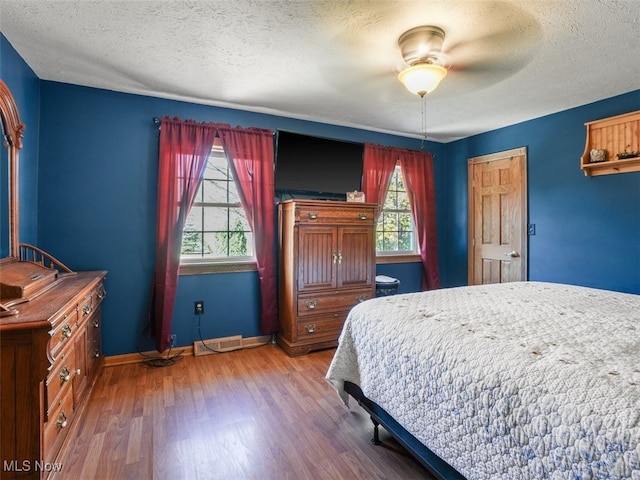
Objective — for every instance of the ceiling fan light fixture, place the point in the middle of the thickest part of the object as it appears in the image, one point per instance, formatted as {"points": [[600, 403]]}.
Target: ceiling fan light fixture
{"points": [[422, 78]]}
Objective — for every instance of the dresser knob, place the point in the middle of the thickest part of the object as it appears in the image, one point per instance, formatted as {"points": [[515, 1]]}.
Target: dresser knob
{"points": [[86, 310], [310, 328], [62, 420], [96, 353], [65, 375], [313, 215], [311, 304], [66, 331], [96, 323]]}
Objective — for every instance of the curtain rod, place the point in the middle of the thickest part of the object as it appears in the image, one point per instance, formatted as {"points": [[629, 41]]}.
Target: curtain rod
{"points": [[158, 121]]}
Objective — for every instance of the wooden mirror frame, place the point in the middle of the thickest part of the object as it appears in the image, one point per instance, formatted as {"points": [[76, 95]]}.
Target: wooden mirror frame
{"points": [[12, 128]]}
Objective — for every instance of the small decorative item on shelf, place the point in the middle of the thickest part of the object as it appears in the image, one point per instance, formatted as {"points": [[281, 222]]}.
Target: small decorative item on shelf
{"points": [[598, 155], [628, 153], [355, 196]]}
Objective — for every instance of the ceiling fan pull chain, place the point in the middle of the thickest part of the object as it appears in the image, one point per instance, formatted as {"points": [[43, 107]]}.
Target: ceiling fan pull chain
{"points": [[424, 121]]}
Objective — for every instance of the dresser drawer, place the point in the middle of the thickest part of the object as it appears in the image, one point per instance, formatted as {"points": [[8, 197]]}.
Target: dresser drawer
{"points": [[308, 214], [66, 325], [328, 326], [94, 342], [60, 378], [58, 425], [328, 302]]}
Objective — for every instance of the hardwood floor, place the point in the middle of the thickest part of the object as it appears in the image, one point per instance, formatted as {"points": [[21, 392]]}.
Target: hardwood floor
{"points": [[249, 414]]}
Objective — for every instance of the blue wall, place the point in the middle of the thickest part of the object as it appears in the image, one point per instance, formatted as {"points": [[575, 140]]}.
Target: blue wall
{"points": [[94, 153], [587, 228], [98, 198], [25, 88]]}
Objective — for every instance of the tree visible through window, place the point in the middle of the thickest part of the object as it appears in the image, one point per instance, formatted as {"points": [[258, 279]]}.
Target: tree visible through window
{"points": [[217, 227], [395, 231]]}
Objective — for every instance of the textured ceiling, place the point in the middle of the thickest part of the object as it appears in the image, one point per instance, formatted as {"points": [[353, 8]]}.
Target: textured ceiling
{"points": [[336, 61]]}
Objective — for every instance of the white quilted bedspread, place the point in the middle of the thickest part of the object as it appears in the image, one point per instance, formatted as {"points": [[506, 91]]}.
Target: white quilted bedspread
{"points": [[514, 381]]}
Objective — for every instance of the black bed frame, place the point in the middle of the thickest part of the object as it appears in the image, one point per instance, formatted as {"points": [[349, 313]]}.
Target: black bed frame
{"points": [[436, 466]]}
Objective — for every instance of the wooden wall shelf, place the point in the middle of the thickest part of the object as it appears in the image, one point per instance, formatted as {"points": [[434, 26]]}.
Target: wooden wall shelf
{"points": [[615, 135]]}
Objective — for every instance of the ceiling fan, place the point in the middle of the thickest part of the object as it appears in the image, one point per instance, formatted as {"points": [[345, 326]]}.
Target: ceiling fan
{"points": [[464, 48], [421, 49]]}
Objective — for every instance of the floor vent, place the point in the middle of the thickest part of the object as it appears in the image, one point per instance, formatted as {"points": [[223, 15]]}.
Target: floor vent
{"points": [[217, 345]]}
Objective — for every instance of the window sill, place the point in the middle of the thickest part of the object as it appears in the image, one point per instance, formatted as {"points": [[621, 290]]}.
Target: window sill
{"points": [[207, 268], [397, 258]]}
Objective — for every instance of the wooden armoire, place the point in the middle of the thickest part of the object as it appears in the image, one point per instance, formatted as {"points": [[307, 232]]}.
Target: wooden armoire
{"points": [[327, 265]]}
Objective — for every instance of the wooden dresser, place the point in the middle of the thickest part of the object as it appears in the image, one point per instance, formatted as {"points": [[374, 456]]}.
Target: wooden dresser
{"points": [[327, 265], [50, 356]]}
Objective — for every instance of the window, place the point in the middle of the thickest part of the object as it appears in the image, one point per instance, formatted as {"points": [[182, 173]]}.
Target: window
{"points": [[395, 230], [217, 229]]}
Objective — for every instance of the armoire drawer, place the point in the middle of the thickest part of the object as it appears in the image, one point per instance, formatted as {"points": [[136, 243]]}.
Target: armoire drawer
{"points": [[343, 215], [328, 302], [325, 326]]}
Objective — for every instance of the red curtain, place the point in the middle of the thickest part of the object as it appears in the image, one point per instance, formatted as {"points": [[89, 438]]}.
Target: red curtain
{"points": [[251, 157], [379, 163], [184, 150], [417, 168]]}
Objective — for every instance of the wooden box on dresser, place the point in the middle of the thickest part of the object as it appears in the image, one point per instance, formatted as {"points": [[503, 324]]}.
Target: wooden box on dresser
{"points": [[51, 354], [327, 265]]}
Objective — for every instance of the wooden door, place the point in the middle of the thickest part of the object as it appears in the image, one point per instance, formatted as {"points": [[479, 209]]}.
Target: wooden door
{"points": [[317, 258], [356, 257], [498, 217]]}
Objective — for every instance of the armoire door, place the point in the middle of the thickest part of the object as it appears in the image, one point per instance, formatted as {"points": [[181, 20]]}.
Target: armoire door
{"points": [[356, 257], [317, 258]]}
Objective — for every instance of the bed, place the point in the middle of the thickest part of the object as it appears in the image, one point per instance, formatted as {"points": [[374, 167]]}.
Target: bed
{"points": [[523, 380]]}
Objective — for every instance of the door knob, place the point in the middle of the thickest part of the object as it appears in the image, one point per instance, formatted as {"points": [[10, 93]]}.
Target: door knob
{"points": [[512, 254]]}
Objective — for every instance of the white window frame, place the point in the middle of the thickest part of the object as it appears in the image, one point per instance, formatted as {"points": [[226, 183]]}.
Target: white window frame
{"points": [[395, 255], [190, 264]]}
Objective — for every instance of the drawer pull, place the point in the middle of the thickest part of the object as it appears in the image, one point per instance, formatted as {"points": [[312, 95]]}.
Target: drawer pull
{"points": [[62, 420], [313, 215], [310, 328], [66, 331], [65, 375], [362, 216], [361, 298], [96, 353], [96, 323], [339, 258], [311, 304], [86, 310], [101, 294]]}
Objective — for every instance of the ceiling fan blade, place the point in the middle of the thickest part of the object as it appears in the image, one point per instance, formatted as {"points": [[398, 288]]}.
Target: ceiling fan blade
{"points": [[485, 60], [360, 66]]}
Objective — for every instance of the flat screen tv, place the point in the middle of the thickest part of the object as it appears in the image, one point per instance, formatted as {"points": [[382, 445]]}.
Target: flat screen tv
{"points": [[315, 166]]}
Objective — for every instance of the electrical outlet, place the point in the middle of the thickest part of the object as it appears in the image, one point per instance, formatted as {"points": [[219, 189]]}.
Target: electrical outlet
{"points": [[198, 307], [173, 340]]}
